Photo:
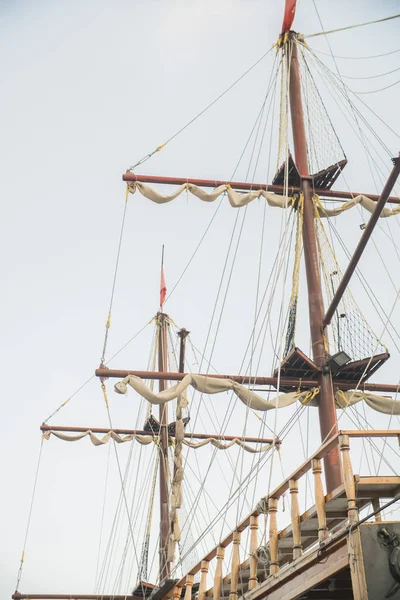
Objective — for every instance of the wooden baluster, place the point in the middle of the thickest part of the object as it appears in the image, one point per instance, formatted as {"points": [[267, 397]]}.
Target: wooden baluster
{"points": [[235, 566], [352, 510], [189, 585], [273, 536], [253, 552], [218, 573], [376, 506], [356, 562], [319, 499], [176, 595], [295, 515], [203, 580]]}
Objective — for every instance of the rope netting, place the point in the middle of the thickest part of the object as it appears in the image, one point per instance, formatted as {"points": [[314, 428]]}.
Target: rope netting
{"points": [[350, 330], [323, 146]]}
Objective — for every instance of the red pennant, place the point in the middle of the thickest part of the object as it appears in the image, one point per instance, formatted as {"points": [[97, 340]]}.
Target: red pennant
{"points": [[290, 9], [163, 287]]}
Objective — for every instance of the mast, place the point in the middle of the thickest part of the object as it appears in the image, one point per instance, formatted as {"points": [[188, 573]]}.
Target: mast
{"points": [[326, 405], [164, 565]]}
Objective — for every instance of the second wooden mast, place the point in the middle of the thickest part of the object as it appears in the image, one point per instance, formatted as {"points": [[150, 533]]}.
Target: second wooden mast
{"points": [[164, 565]]}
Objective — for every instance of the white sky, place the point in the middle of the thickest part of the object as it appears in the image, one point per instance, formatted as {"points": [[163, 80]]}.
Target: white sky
{"points": [[88, 88]]}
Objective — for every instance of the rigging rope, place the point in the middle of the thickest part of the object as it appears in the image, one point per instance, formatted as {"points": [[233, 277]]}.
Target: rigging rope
{"points": [[145, 158], [311, 35], [108, 322], [103, 387], [379, 90], [269, 87], [19, 575], [102, 516], [372, 76], [355, 57]]}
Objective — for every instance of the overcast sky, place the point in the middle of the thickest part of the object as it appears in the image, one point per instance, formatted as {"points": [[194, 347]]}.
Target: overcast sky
{"points": [[88, 88]]}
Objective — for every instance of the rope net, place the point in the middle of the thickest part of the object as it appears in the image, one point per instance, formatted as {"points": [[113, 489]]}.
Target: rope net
{"points": [[323, 146], [350, 330]]}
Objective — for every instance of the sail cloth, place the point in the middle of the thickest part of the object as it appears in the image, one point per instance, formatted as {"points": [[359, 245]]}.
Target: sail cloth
{"points": [[381, 404], [177, 478], [365, 202], [236, 199], [211, 385], [239, 199]]}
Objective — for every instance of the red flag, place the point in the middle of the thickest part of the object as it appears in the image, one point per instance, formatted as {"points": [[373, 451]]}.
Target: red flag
{"points": [[163, 287], [290, 9]]}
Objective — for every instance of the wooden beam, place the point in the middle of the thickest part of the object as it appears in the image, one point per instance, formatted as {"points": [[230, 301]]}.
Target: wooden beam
{"points": [[363, 241]]}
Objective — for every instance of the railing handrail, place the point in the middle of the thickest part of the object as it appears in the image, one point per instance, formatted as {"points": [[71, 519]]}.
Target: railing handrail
{"points": [[284, 486]]}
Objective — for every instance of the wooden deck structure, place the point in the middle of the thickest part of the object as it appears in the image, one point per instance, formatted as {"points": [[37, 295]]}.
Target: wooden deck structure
{"points": [[318, 555]]}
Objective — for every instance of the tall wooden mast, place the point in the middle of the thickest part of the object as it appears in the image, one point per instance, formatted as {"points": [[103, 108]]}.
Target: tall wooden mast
{"points": [[326, 405], [164, 565]]}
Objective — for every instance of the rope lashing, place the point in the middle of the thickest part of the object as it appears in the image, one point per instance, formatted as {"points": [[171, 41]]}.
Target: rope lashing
{"points": [[262, 506], [104, 390]]}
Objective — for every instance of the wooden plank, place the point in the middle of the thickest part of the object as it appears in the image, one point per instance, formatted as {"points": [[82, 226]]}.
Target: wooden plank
{"points": [[356, 561], [377, 483], [383, 433]]}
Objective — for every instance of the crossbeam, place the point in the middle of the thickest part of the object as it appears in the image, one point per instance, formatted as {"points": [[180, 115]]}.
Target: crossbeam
{"points": [[363, 241], [189, 435], [247, 380], [246, 186]]}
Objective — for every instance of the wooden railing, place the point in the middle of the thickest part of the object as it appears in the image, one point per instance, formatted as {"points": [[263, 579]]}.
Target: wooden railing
{"points": [[297, 540]]}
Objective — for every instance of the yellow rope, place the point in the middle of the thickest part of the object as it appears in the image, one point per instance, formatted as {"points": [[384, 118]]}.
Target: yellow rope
{"points": [[342, 397], [103, 387], [309, 396]]}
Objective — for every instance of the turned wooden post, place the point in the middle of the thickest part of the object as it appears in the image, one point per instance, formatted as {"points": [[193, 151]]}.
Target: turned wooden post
{"points": [[203, 580], [177, 593], [218, 573], [295, 516], [189, 585], [319, 499], [352, 510], [376, 506], [356, 561], [235, 566], [273, 536], [253, 552]]}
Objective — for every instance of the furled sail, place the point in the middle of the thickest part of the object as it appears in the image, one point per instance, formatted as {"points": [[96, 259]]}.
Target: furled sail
{"points": [[214, 385], [238, 199], [149, 439], [211, 385]]}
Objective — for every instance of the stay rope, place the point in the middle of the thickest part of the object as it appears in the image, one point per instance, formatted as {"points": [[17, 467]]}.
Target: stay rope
{"points": [[148, 156], [19, 575], [311, 35]]}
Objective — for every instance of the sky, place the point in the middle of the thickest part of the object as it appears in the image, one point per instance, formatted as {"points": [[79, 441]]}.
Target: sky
{"points": [[89, 88]]}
